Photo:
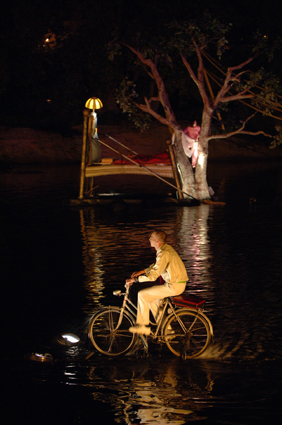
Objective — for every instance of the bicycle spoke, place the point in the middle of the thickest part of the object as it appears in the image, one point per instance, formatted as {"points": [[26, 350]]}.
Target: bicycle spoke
{"points": [[106, 337], [187, 334], [111, 323]]}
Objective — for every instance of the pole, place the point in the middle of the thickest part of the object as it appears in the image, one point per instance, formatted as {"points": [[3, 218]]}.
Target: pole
{"points": [[174, 169], [83, 154], [212, 96], [135, 153]]}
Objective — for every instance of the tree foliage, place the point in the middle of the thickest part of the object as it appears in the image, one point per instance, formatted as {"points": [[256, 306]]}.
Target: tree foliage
{"points": [[191, 40]]}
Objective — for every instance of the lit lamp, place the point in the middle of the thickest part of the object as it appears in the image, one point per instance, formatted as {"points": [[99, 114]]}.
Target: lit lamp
{"points": [[90, 128], [94, 103]]}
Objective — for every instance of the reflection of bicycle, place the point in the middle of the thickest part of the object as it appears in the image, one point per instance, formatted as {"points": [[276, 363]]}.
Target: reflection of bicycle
{"points": [[182, 326]]}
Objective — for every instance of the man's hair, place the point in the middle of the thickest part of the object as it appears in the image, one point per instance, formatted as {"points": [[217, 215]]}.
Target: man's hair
{"points": [[161, 235]]}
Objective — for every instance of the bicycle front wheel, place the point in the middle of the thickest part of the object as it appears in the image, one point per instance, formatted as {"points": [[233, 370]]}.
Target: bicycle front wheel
{"points": [[107, 336], [187, 334]]}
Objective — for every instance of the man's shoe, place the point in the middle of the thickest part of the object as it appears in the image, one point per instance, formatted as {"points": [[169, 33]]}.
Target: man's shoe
{"points": [[169, 335], [140, 329]]}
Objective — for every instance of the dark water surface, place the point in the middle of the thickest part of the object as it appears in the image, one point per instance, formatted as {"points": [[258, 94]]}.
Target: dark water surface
{"points": [[60, 262]]}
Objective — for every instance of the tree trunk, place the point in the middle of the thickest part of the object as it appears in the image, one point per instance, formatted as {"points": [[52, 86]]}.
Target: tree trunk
{"points": [[201, 185], [184, 167]]}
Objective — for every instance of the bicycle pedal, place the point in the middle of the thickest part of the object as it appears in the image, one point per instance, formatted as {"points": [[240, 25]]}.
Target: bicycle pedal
{"points": [[144, 341]]}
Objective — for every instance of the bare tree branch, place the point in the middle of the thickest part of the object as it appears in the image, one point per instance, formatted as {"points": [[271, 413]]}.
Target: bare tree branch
{"points": [[190, 70], [240, 130], [154, 99], [237, 96], [230, 77], [147, 108], [163, 97], [237, 77], [233, 133], [199, 79]]}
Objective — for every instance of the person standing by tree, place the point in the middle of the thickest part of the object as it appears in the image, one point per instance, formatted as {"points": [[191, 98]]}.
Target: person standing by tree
{"points": [[171, 268], [190, 142]]}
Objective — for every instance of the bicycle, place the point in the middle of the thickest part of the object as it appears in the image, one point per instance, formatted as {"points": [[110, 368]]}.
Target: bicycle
{"points": [[182, 326]]}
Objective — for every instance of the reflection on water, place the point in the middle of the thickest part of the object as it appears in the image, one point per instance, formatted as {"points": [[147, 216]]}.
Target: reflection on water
{"points": [[61, 263], [220, 247], [169, 391], [194, 244], [120, 247], [163, 392], [153, 394]]}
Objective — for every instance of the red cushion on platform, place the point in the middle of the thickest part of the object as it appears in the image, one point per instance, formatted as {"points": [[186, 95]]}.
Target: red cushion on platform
{"points": [[162, 158]]}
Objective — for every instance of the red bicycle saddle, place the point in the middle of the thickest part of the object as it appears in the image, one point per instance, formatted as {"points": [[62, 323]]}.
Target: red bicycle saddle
{"points": [[186, 300]]}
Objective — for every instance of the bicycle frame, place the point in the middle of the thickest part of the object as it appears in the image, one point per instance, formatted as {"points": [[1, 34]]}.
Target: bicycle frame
{"points": [[181, 325], [160, 324]]}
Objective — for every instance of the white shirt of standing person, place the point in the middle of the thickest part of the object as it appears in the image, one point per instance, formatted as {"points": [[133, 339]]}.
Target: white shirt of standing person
{"points": [[190, 138]]}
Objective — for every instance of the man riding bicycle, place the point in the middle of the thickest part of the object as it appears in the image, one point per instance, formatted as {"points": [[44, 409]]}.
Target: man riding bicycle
{"points": [[171, 268]]}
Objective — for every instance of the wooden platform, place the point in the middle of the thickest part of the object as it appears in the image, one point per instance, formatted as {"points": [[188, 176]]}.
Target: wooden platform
{"points": [[163, 170]]}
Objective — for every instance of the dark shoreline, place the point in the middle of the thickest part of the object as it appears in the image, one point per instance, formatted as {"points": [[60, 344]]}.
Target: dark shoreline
{"points": [[31, 146]]}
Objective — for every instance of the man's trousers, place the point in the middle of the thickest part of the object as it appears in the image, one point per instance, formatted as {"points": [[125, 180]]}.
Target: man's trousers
{"points": [[149, 299]]}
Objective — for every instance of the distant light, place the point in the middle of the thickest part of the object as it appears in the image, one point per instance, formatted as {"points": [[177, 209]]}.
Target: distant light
{"points": [[73, 339], [49, 40]]}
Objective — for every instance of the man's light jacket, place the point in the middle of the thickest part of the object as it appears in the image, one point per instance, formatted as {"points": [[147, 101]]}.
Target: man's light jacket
{"points": [[168, 265]]}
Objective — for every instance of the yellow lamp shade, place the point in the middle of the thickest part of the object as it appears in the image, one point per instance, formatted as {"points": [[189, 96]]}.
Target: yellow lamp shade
{"points": [[94, 103]]}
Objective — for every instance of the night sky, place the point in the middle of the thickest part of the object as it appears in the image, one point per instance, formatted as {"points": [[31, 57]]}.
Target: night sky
{"points": [[41, 85]]}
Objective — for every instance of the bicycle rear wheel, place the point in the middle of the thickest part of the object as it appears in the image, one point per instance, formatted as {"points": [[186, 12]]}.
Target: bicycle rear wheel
{"points": [[106, 337], [187, 335]]}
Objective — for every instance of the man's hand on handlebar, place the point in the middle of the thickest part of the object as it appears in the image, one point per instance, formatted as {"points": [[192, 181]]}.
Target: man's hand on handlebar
{"points": [[133, 277], [135, 274], [129, 282]]}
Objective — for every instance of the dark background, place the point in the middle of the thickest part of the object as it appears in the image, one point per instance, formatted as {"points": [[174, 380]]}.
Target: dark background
{"points": [[45, 84]]}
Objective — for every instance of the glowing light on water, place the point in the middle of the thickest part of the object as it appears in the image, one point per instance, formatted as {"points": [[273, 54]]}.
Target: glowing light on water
{"points": [[40, 357], [73, 339]]}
